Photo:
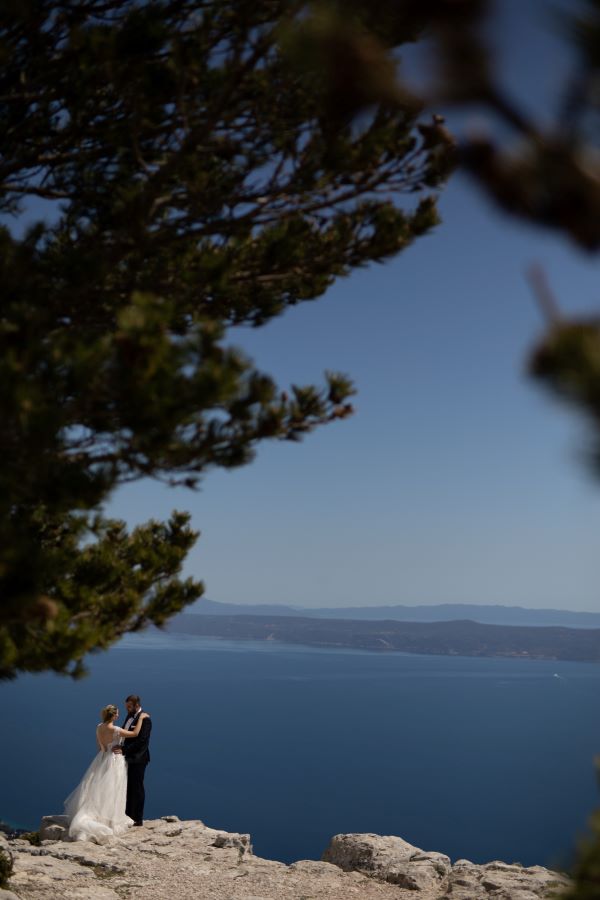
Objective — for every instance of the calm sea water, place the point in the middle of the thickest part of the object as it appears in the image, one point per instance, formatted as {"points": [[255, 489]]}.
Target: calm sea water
{"points": [[478, 758]]}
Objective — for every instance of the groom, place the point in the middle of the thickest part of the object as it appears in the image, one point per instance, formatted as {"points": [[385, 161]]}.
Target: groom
{"points": [[137, 755]]}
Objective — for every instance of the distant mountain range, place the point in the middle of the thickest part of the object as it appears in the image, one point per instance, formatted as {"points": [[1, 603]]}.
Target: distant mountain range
{"points": [[453, 638], [447, 612]]}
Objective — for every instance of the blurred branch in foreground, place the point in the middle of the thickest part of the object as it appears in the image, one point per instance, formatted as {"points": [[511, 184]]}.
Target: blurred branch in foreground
{"points": [[188, 179]]}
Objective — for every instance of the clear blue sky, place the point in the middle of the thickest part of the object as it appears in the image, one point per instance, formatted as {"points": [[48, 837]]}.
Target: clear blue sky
{"points": [[457, 480]]}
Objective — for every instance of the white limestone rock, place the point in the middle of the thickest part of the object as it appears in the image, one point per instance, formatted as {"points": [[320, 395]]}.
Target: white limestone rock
{"points": [[431, 875], [54, 828], [502, 881], [240, 842], [388, 858], [185, 860]]}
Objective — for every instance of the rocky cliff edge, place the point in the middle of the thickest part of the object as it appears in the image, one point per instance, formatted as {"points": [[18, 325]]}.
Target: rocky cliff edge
{"points": [[169, 859]]}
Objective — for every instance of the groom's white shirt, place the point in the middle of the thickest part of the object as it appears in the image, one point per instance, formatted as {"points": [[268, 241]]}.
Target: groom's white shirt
{"points": [[130, 719]]}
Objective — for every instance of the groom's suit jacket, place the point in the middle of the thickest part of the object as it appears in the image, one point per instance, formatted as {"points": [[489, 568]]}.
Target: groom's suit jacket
{"points": [[135, 750]]}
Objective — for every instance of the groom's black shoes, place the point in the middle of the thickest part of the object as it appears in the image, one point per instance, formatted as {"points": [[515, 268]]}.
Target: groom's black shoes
{"points": [[138, 823]]}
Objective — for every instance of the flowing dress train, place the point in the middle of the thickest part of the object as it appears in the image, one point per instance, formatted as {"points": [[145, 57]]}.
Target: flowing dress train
{"points": [[96, 808]]}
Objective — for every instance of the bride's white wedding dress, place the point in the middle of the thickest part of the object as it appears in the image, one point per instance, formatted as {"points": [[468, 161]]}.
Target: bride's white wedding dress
{"points": [[96, 808]]}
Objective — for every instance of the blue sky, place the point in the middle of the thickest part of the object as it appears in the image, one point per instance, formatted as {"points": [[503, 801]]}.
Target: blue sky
{"points": [[457, 480]]}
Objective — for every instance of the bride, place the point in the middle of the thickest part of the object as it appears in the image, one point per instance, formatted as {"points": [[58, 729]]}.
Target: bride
{"points": [[96, 808]]}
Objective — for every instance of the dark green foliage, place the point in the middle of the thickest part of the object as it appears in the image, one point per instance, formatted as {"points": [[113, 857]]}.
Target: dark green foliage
{"points": [[6, 868], [32, 836], [568, 363], [194, 181], [546, 175], [586, 871]]}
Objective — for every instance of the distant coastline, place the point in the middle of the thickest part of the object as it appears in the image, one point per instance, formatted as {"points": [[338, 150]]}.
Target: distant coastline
{"points": [[445, 612], [445, 638]]}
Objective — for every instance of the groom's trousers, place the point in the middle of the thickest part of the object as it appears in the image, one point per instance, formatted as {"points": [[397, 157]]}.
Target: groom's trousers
{"points": [[135, 791]]}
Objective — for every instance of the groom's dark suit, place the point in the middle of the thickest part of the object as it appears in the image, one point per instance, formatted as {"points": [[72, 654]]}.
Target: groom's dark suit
{"points": [[135, 751]]}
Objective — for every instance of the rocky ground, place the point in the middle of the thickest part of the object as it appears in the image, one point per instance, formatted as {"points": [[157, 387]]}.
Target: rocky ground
{"points": [[168, 858]]}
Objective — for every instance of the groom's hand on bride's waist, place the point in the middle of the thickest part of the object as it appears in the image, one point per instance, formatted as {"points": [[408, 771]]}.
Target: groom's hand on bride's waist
{"points": [[117, 750]]}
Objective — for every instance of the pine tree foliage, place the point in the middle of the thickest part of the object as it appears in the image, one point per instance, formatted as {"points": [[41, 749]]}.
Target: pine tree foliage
{"points": [[586, 869], [168, 171], [548, 175]]}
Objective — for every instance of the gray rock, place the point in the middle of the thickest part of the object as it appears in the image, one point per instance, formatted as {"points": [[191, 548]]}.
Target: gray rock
{"points": [[432, 877], [185, 860], [388, 858], [54, 828], [502, 881], [8, 895], [241, 842]]}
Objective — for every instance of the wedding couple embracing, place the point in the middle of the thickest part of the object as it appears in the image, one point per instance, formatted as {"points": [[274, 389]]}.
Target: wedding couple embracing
{"points": [[110, 796]]}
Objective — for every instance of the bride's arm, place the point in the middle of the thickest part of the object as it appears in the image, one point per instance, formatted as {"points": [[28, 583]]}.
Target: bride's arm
{"points": [[136, 730]]}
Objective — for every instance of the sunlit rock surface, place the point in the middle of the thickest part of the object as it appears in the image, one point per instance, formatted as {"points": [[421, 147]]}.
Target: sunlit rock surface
{"points": [[185, 860]]}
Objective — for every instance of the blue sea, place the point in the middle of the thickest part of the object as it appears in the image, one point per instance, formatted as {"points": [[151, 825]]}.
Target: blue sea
{"points": [[477, 758]]}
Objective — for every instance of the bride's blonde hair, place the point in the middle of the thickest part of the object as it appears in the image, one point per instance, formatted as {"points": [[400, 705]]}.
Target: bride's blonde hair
{"points": [[109, 713]]}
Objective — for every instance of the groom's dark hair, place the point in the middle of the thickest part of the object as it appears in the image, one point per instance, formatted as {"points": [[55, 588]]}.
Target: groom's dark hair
{"points": [[134, 699]]}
